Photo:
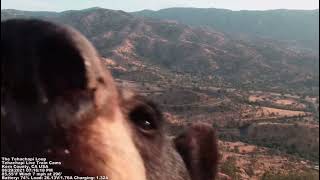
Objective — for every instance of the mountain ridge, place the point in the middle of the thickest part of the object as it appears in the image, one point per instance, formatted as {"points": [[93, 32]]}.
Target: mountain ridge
{"points": [[258, 91], [203, 53], [299, 25]]}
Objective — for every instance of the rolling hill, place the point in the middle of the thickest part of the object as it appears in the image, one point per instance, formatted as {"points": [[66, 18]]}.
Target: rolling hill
{"points": [[296, 26], [261, 94], [202, 54]]}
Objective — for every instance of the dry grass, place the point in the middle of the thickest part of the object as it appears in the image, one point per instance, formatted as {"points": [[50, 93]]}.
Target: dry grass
{"points": [[267, 111], [285, 101], [255, 161], [256, 98]]}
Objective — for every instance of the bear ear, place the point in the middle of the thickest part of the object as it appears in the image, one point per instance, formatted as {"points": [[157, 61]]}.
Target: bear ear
{"points": [[199, 150]]}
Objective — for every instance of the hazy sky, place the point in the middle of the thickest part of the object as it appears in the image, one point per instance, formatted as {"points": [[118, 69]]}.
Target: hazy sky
{"points": [[134, 5]]}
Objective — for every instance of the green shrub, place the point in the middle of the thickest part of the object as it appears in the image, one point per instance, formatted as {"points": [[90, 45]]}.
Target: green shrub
{"points": [[229, 167], [305, 175]]}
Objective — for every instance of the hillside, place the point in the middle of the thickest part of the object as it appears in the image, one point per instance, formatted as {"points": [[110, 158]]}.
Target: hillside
{"points": [[261, 95], [204, 54], [299, 26]]}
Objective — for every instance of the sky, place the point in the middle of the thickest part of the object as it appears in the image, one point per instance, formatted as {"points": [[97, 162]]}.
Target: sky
{"points": [[136, 5]]}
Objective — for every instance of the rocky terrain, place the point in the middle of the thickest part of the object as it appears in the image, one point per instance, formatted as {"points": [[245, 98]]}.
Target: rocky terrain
{"points": [[261, 95]]}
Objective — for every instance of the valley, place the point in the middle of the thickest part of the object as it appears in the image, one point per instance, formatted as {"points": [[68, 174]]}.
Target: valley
{"points": [[261, 96]]}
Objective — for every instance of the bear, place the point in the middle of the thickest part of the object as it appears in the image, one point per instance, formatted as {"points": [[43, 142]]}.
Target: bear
{"points": [[59, 102]]}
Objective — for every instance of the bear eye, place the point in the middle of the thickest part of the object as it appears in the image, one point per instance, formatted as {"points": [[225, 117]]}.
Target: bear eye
{"points": [[144, 118], [146, 125]]}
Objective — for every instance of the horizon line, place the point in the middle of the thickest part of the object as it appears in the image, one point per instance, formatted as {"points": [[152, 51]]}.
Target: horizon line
{"points": [[57, 11]]}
